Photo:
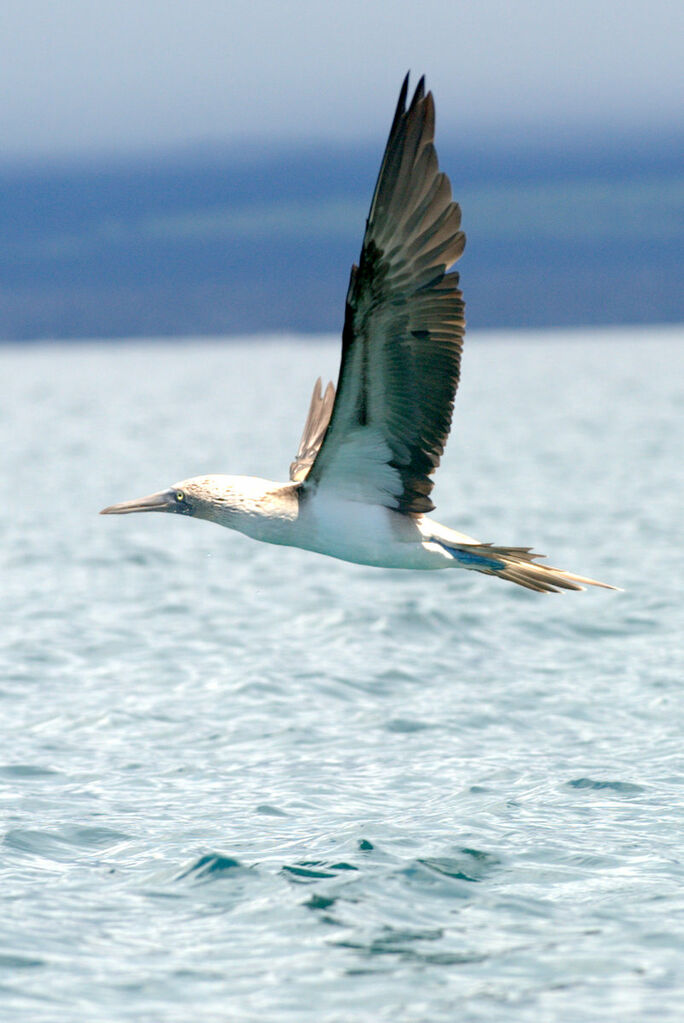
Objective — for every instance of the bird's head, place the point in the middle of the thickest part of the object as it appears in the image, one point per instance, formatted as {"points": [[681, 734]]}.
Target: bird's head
{"points": [[204, 497]]}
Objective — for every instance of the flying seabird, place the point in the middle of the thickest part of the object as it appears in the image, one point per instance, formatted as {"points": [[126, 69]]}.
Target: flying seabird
{"points": [[361, 480]]}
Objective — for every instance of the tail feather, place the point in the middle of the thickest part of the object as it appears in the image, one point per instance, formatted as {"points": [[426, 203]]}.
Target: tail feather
{"points": [[519, 565]]}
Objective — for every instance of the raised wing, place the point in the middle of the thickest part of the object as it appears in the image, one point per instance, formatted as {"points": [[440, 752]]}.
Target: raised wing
{"points": [[403, 329], [316, 424]]}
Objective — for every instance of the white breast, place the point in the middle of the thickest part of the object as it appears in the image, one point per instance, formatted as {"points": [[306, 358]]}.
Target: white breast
{"points": [[362, 533]]}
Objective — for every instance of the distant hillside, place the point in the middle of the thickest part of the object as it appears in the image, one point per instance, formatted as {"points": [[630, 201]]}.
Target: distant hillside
{"points": [[228, 242]]}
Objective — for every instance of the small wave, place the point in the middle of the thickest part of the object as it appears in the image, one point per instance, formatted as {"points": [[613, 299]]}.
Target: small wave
{"points": [[407, 725], [319, 902], [19, 962], [625, 788], [26, 771], [307, 871], [270, 811], [468, 865], [412, 946], [211, 867], [55, 845]]}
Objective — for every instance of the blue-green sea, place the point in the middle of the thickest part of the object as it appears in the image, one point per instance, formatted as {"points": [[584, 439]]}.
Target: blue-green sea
{"points": [[247, 783]]}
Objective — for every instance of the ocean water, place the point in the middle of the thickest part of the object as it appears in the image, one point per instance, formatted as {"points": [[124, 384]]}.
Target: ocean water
{"points": [[247, 783]]}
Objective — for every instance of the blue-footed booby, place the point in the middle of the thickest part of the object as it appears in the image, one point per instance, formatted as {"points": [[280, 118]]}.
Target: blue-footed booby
{"points": [[361, 480]]}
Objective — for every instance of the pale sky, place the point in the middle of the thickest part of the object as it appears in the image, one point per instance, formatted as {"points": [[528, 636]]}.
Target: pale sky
{"points": [[89, 76]]}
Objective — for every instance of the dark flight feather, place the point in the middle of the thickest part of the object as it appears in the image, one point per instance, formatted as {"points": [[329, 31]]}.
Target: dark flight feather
{"points": [[316, 424], [403, 332]]}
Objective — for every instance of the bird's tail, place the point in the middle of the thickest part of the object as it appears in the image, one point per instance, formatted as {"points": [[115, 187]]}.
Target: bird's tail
{"points": [[518, 565]]}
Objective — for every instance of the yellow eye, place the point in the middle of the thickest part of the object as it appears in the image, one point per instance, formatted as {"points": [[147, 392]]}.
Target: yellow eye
{"points": [[180, 496]]}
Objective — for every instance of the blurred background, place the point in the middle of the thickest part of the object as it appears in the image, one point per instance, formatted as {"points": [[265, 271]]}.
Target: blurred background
{"points": [[179, 169]]}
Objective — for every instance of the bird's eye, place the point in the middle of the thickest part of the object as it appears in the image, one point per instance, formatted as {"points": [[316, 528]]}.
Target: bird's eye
{"points": [[180, 496]]}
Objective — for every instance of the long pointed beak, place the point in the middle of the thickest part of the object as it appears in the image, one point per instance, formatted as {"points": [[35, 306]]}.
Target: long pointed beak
{"points": [[164, 501]]}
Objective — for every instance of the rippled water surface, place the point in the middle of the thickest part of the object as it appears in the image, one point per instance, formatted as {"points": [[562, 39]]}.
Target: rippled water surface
{"points": [[250, 783]]}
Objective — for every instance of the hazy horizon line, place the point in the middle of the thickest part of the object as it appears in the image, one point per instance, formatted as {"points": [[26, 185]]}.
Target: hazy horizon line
{"points": [[488, 141]]}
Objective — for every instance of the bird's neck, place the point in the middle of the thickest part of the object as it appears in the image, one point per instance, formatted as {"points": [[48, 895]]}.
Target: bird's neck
{"points": [[262, 509]]}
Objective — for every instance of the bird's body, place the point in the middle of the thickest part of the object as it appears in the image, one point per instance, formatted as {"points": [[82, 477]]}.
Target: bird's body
{"points": [[360, 483], [284, 513]]}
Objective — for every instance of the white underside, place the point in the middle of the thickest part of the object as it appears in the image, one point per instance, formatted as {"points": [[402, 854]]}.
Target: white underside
{"points": [[366, 534], [363, 532]]}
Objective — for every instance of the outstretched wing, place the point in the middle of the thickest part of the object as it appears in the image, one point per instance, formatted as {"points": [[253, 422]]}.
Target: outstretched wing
{"points": [[316, 424], [403, 330]]}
